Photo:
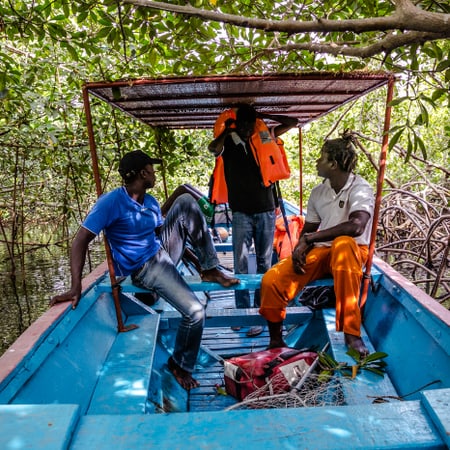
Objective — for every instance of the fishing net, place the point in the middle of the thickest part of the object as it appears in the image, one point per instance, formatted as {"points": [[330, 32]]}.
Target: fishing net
{"points": [[326, 382], [312, 390], [315, 388]]}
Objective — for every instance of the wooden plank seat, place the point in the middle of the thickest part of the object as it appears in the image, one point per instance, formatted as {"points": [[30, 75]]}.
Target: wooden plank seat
{"points": [[236, 317], [248, 281], [389, 426], [367, 387], [123, 385], [38, 426]]}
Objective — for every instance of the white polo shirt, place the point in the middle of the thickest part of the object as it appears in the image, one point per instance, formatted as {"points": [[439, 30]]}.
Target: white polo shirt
{"points": [[329, 208]]}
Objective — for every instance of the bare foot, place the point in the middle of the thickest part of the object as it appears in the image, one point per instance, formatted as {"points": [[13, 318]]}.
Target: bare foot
{"points": [[357, 344], [217, 276], [183, 377]]}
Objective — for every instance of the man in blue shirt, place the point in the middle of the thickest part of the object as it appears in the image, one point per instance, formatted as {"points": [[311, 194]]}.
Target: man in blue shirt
{"points": [[148, 247]]}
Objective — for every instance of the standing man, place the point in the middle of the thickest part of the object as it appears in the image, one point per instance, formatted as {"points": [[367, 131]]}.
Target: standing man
{"points": [[334, 240], [148, 247], [252, 203]]}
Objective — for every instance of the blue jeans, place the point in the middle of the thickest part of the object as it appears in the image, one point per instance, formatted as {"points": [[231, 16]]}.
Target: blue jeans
{"points": [[258, 228], [184, 223]]}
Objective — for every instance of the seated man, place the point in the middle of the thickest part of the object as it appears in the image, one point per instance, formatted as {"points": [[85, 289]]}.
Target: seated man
{"points": [[334, 240], [149, 248]]}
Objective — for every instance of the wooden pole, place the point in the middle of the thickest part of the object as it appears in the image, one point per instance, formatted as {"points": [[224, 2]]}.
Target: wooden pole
{"points": [[115, 286], [300, 155], [380, 179]]}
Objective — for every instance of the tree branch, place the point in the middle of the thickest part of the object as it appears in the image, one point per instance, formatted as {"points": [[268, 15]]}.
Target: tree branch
{"points": [[387, 44], [405, 17]]}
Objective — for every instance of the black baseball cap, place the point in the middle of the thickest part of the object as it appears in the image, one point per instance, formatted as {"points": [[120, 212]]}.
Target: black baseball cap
{"points": [[133, 162]]}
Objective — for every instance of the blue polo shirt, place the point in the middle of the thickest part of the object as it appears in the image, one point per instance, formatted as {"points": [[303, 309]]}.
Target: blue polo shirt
{"points": [[128, 226]]}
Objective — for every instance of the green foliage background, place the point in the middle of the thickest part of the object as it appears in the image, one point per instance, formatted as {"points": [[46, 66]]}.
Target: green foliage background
{"points": [[50, 48]]}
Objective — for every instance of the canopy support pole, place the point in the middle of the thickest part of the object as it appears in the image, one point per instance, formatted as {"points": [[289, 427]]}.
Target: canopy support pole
{"points": [[115, 285], [300, 163], [380, 180]]}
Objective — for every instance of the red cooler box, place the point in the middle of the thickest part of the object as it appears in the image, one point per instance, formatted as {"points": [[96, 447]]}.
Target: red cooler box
{"points": [[284, 366]]}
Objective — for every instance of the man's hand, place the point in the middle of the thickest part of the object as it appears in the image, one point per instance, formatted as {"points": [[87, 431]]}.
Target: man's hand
{"points": [[77, 257], [230, 123], [72, 296], [299, 256], [216, 146], [298, 261]]}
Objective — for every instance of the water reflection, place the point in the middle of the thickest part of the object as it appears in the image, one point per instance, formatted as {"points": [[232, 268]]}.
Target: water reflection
{"points": [[24, 296]]}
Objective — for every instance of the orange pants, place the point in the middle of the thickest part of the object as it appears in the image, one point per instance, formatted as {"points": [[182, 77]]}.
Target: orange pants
{"points": [[343, 260]]}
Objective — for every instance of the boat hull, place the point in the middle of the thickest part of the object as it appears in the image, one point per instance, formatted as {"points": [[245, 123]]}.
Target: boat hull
{"points": [[78, 383]]}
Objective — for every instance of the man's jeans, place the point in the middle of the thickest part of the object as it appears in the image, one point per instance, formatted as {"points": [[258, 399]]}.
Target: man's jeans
{"points": [[260, 229], [184, 222]]}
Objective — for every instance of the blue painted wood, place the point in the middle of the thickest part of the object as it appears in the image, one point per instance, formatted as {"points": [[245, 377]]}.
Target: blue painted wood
{"points": [[64, 367], [248, 281], [48, 342], [417, 342], [401, 425], [437, 404], [67, 366], [236, 317], [123, 383], [48, 427], [367, 386]]}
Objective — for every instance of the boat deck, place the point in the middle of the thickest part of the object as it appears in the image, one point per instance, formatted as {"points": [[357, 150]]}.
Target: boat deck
{"points": [[129, 399], [303, 330]]}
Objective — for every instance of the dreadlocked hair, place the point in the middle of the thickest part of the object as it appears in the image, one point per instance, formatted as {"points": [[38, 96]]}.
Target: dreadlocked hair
{"points": [[342, 150]]}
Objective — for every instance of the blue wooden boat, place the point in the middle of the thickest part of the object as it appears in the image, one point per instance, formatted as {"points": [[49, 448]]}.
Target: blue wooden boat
{"points": [[95, 377]]}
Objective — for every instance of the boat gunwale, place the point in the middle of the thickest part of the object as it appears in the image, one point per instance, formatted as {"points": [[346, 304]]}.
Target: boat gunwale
{"points": [[41, 327], [418, 295], [38, 330]]}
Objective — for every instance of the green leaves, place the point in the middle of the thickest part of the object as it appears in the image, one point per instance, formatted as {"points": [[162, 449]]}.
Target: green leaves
{"points": [[51, 47], [329, 366]]}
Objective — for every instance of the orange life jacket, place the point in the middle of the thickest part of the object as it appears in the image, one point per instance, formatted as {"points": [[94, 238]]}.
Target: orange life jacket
{"points": [[268, 152], [282, 245]]}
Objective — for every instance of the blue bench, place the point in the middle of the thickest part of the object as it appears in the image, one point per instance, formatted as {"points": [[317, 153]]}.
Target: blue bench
{"points": [[401, 425], [248, 281], [38, 426], [122, 387], [367, 386]]}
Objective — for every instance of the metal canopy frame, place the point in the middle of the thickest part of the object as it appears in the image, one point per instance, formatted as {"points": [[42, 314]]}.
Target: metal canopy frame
{"points": [[195, 103]]}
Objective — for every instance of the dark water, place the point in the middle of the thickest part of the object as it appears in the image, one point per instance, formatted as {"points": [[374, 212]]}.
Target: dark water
{"points": [[25, 296]]}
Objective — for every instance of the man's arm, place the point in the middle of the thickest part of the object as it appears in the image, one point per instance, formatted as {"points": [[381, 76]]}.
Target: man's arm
{"points": [[286, 122], [354, 227], [77, 259], [217, 144]]}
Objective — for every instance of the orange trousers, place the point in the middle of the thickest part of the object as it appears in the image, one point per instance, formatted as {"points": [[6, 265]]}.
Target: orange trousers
{"points": [[343, 260]]}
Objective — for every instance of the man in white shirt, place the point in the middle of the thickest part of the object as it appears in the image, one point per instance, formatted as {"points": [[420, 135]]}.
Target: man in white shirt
{"points": [[334, 241]]}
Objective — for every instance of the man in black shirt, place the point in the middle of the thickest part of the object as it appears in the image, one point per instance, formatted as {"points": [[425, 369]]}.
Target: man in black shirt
{"points": [[252, 203]]}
